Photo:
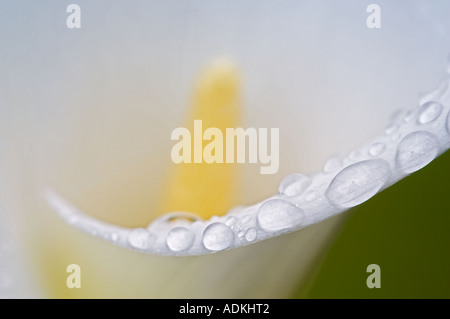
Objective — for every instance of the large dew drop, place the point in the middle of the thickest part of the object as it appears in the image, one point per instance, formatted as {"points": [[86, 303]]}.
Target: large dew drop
{"points": [[140, 238], [294, 184], [180, 238], [358, 182], [416, 150], [217, 236], [276, 214], [429, 112]]}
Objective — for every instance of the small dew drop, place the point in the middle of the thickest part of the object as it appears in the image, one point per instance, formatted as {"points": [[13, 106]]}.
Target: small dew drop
{"points": [[409, 116], [217, 236], [178, 217], [396, 115], [276, 214], [93, 231], [179, 239], [429, 112], [358, 182], [246, 219], [377, 149], [311, 195], [250, 234], [294, 184], [114, 237], [395, 136], [140, 238], [241, 234], [391, 129], [72, 219], [354, 155], [231, 220], [416, 150], [332, 165]]}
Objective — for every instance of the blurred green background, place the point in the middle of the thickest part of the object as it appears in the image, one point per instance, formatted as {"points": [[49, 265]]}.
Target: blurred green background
{"points": [[405, 230]]}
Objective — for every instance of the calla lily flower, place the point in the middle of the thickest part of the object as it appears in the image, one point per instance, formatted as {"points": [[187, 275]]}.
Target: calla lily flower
{"points": [[86, 116]]}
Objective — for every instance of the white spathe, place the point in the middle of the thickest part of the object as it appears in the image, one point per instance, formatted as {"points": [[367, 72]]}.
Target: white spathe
{"points": [[77, 104]]}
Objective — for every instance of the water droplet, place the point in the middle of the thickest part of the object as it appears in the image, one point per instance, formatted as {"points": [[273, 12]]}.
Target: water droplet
{"points": [[250, 234], [396, 115], [377, 149], [332, 164], [177, 217], [391, 129], [448, 122], [72, 219], [231, 220], [409, 116], [294, 184], [246, 219], [241, 234], [93, 231], [358, 182], [114, 237], [276, 214], [354, 155], [312, 195], [395, 136], [140, 238], [180, 238], [217, 236], [429, 112], [416, 150]]}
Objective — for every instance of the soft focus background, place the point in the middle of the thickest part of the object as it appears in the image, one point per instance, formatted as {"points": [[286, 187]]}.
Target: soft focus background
{"points": [[89, 112]]}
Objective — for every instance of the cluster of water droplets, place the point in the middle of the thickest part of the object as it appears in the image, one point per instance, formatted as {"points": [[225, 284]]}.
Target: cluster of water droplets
{"points": [[411, 140]]}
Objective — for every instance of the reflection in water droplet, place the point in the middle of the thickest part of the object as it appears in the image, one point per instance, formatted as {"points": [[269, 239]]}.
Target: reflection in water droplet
{"points": [[429, 112], [180, 238], [217, 236], [294, 184], [276, 214], [250, 234], [377, 149], [358, 182], [416, 150], [140, 238]]}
